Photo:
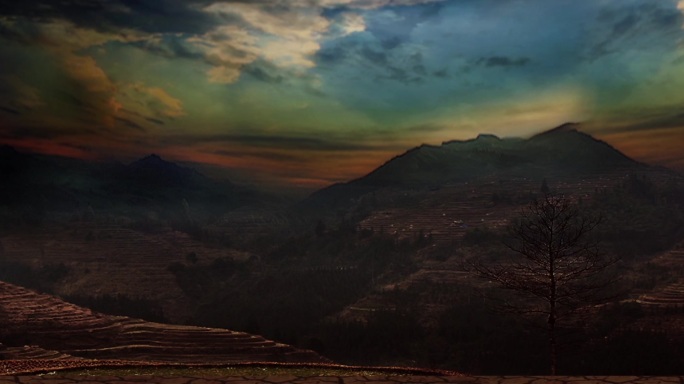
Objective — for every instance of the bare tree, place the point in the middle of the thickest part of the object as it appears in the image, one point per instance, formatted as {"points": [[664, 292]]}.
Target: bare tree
{"points": [[555, 264]]}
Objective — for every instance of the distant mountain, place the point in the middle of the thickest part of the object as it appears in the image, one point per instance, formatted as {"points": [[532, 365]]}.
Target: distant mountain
{"points": [[154, 170], [38, 183], [560, 152]]}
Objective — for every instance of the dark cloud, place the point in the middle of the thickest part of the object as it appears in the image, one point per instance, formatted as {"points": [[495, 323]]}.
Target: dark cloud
{"points": [[155, 121], [374, 56], [637, 24], [80, 147], [393, 32], [170, 46], [42, 132], [502, 61], [667, 18], [302, 143], [166, 16], [264, 155], [623, 26], [264, 71], [404, 68], [9, 110], [443, 73], [129, 123], [275, 141], [71, 99], [338, 52], [403, 76], [675, 120], [391, 42]]}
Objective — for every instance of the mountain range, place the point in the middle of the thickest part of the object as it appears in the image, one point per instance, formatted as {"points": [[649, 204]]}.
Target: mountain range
{"points": [[58, 183], [562, 152]]}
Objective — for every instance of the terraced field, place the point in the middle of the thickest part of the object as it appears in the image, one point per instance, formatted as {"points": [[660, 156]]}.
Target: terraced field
{"points": [[449, 213], [670, 296], [52, 324]]}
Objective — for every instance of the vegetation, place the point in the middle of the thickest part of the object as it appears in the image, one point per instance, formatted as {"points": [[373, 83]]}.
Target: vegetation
{"points": [[557, 266], [361, 294]]}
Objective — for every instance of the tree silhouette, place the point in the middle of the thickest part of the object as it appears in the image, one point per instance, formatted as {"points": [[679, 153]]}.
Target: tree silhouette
{"points": [[555, 265]]}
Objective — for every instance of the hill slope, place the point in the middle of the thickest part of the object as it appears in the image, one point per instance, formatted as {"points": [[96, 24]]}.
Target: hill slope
{"points": [[28, 317]]}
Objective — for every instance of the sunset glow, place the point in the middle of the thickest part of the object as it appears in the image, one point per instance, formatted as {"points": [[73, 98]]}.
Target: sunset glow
{"points": [[306, 93]]}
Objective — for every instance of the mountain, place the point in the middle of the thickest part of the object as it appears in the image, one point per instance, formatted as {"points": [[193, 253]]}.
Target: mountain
{"points": [[562, 152], [34, 184], [155, 171]]}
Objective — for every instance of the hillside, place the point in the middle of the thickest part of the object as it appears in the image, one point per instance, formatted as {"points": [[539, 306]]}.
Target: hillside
{"points": [[366, 272], [30, 318]]}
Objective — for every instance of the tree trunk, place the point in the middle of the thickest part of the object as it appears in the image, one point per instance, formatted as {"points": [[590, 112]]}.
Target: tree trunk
{"points": [[552, 343]]}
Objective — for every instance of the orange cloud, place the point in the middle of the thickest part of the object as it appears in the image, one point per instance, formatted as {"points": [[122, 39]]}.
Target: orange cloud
{"points": [[49, 147], [662, 146]]}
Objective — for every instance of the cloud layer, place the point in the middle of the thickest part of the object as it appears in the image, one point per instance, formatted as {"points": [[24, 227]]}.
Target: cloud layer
{"points": [[310, 85]]}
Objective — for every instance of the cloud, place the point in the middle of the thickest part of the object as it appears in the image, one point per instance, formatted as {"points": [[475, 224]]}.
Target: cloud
{"points": [[129, 123], [286, 34], [170, 106], [97, 91], [660, 146], [282, 142], [150, 16], [635, 25], [142, 103], [502, 61], [89, 88], [265, 71], [351, 23], [229, 35], [18, 95], [10, 110], [155, 121], [275, 156]]}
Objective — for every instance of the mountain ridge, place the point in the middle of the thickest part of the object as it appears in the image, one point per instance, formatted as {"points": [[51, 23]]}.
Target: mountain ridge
{"points": [[563, 151], [549, 145], [40, 183]]}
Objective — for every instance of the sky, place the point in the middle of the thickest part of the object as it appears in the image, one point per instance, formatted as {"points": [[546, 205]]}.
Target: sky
{"points": [[305, 93]]}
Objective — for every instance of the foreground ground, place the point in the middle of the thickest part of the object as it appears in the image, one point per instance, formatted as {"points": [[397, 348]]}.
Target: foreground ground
{"points": [[257, 373], [379, 379]]}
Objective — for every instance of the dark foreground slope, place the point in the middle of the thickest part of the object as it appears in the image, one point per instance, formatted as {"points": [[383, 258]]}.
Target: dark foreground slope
{"points": [[30, 318]]}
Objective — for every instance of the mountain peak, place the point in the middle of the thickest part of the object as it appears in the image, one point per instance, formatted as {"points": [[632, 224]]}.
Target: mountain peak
{"points": [[566, 127], [153, 157], [153, 161], [487, 137], [7, 150]]}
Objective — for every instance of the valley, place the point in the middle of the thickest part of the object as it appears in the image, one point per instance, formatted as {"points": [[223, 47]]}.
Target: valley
{"points": [[373, 271]]}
